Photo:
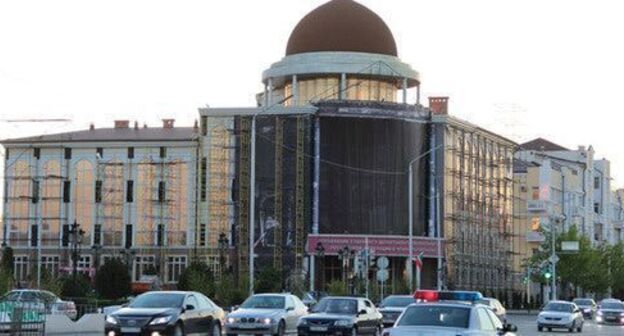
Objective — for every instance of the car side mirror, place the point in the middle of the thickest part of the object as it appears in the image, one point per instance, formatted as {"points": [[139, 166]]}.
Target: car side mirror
{"points": [[510, 328], [189, 307], [290, 308], [362, 312]]}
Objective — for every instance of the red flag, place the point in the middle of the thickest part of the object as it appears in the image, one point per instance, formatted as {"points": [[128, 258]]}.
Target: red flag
{"points": [[419, 260]]}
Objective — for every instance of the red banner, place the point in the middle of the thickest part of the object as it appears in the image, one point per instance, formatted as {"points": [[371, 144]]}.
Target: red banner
{"points": [[389, 246]]}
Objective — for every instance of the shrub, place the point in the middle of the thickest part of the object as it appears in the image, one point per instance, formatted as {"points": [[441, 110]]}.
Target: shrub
{"points": [[337, 288], [112, 280], [269, 281], [197, 277], [78, 288]]}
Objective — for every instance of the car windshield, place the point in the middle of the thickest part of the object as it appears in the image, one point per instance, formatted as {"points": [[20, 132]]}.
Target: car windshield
{"points": [[559, 307], [336, 306], [436, 316], [158, 300], [264, 302], [583, 302], [398, 301], [613, 305]]}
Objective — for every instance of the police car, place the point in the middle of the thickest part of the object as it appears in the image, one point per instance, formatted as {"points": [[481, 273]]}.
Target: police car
{"points": [[449, 313]]}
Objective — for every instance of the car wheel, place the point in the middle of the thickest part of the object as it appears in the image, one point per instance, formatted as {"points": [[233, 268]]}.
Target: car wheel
{"points": [[378, 331], [281, 329], [354, 331], [571, 330], [549, 329], [540, 328], [216, 329], [580, 329], [178, 330]]}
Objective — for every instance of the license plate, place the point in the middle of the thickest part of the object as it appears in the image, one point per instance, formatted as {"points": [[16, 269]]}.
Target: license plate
{"points": [[247, 326], [318, 328], [130, 330]]}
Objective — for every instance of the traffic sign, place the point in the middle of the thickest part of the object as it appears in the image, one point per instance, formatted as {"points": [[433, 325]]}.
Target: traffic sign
{"points": [[383, 275], [383, 262], [554, 259]]}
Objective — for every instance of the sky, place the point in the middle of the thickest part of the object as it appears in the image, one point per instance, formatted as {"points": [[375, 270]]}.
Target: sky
{"points": [[524, 69]]}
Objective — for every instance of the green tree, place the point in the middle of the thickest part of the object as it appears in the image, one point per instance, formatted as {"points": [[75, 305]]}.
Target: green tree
{"points": [[7, 260], [337, 288], [197, 277], [616, 263], [112, 280], [51, 282], [268, 281], [80, 287]]}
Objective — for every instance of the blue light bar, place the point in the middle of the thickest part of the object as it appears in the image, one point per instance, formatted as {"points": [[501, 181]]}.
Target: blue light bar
{"points": [[460, 296]]}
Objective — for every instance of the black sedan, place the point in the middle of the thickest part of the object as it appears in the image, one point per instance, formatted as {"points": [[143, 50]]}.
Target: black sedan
{"points": [[610, 312], [167, 313], [342, 316]]}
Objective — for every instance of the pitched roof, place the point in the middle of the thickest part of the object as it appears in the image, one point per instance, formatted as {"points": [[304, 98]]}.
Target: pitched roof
{"points": [[541, 144], [112, 134]]}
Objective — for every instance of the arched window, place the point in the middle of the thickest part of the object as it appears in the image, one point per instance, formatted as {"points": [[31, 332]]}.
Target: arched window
{"points": [[51, 197], [83, 195]]}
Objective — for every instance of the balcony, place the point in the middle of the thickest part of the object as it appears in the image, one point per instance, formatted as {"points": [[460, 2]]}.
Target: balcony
{"points": [[537, 206]]}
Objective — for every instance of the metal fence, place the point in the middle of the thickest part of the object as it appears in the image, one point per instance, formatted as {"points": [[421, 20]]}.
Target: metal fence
{"points": [[22, 318]]}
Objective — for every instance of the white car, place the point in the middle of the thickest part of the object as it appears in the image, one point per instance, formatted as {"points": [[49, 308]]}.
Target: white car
{"points": [[275, 314], [449, 314], [393, 306], [560, 315]]}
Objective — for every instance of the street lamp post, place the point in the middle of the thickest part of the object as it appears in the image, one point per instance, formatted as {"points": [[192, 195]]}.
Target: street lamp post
{"points": [[76, 233], [410, 197]]}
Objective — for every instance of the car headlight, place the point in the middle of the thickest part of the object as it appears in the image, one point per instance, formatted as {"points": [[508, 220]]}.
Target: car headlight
{"points": [[621, 314], [343, 323], [302, 322], [231, 320], [161, 320], [267, 321], [111, 320], [587, 310], [599, 313]]}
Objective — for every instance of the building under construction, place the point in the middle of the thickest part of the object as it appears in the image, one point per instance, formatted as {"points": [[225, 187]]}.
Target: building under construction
{"points": [[316, 173], [131, 190]]}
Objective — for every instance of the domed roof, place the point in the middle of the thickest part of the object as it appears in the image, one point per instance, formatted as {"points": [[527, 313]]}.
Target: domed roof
{"points": [[342, 25]]}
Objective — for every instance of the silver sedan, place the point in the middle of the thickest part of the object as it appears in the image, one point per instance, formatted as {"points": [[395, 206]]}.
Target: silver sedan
{"points": [[275, 314]]}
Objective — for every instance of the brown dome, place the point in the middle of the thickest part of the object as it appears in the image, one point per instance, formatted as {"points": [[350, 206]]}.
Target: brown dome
{"points": [[342, 25]]}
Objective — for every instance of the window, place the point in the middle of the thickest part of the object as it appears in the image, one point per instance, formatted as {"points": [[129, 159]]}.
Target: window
{"points": [[535, 223], [597, 207], [130, 191], [99, 152], [202, 234], [37, 153], [204, 125], [289, 302], [130, 152], [163, 152], [161, 191], [484, 320], [65, 235], [97, 234], [35, 192], [20, 267], [84, 263], [175, 266], [50, 264], [536, 193], [191, 300], [66, 191], [141, 265], [34, 235], [202, 179], [160, 235], [128, 236], [98, 191], [596, 182], [68, 153]]}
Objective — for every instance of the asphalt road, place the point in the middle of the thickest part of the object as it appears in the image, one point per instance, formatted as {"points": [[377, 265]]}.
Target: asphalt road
{"points": [[527, 327]]}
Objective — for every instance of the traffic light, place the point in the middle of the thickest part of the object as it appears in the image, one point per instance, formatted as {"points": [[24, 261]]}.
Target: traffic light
{"points": [[546, 272]]}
